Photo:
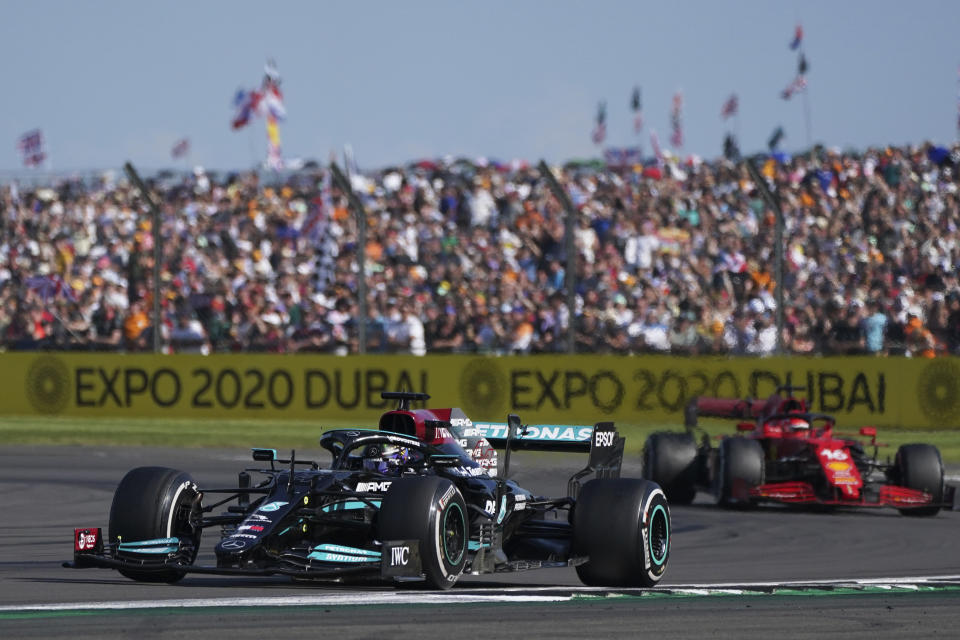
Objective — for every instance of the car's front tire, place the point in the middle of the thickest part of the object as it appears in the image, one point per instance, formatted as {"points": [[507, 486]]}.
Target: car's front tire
{"points": [[919, 466], [431, 510], [151, 503], [739, 468]]}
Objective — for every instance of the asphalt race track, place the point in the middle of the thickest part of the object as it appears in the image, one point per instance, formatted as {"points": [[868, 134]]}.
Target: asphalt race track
{"points": [[731, 574]]}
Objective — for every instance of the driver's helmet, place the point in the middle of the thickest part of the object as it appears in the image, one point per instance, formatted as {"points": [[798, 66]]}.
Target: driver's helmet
{"points": [[797, 424], [385, 458]]}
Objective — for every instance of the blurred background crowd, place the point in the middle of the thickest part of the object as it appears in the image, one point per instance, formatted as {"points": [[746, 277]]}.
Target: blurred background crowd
{"points": [[469, 257]]}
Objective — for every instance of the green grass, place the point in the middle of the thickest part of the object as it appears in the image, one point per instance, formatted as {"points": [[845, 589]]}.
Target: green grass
{"points": [[302, 434]]}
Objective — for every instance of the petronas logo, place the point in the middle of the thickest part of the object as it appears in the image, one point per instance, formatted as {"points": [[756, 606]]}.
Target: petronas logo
{"points": [[48, 385]]}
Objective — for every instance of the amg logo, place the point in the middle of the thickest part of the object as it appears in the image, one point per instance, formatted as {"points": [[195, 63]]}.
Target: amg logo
{"points": [[373, 487], [604, 438], [399, 556]]}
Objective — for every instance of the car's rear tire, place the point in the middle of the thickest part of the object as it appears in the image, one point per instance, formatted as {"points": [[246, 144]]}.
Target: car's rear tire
{"points": [[151, 503], [670, 460], [739, 469], [623, 526], [919, 466], [431, 510]]}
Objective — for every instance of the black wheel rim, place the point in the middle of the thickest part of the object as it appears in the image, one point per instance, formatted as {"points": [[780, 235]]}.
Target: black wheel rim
{"points": [[454, 533]]}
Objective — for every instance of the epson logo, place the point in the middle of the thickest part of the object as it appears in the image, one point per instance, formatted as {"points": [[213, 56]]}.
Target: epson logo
{"points": [[604, 438], [399, 556], [373, 487]]}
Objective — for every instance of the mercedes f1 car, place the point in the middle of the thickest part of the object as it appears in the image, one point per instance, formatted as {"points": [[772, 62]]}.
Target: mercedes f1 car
{"points": [[425, 497], [786, 453]]}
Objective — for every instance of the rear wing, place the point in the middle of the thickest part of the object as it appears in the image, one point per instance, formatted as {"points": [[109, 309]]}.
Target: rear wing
{"points": [[602, 441], [735, 409]]}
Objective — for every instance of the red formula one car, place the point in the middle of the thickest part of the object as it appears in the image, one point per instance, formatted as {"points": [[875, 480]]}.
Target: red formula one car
{"points": [[786, 453]]}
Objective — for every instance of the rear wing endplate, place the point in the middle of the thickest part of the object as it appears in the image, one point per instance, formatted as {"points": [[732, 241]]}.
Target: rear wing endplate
{"points": [[601, 441]]}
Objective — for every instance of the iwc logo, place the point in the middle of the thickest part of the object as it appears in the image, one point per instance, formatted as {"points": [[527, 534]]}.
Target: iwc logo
{"points": [[938, 390], [483, 388], [48, 384]]}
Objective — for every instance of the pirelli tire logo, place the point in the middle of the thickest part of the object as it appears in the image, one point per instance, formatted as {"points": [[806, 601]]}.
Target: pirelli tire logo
{"points": [[48, 385], [938, 392], [483, 388]]}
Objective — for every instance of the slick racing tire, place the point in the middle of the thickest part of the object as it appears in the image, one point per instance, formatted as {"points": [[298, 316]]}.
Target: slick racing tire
{"points": [[152, 503], [431, 510], [919, 466], [739, 468], [670, 460], [623, 527]]}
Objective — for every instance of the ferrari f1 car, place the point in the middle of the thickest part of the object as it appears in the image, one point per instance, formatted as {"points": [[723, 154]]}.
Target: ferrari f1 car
{"points": [[425, 497], [786, 453]]}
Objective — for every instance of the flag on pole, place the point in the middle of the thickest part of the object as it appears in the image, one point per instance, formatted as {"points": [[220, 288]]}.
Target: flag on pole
{"points": [[600, 129], [274, 155], [797, 38], [676, 120], [30, 146], [730, 107], [655, 145], [272, 103], [246, 105], [637, 106], [775, 138], [180, 148], [802, 65], [796, 86]]}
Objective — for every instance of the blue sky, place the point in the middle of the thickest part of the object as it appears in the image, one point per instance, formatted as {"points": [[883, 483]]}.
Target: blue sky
{"points": [[113, 81]]}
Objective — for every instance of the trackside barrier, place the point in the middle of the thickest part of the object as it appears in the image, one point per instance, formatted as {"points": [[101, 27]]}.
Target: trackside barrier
{"points": [[886, 392]]}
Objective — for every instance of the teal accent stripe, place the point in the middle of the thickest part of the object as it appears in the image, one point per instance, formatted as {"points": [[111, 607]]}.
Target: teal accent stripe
{"points": [[473, 545], [336, 548], [666, 547], [159, 545], [155, 541], [348, 505], [323, 556]]}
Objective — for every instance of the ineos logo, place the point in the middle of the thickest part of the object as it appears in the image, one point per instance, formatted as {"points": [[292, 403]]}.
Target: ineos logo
{"points": [[399, 556], [604, 438]]}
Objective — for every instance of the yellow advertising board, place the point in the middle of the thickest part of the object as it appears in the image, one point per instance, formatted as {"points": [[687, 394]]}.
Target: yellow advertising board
{"points": [[902, 392]]}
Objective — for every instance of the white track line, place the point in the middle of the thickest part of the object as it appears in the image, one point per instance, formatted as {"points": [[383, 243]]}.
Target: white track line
{"points": [[501, 595]]}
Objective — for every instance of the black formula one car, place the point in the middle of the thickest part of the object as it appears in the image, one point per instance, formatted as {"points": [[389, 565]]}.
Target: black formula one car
{"points": [[786, 453], [422, 498]]}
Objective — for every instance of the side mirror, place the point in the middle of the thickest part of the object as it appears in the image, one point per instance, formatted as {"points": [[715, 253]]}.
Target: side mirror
{"points": [[868, 431], [264, 455], [746, 426]]}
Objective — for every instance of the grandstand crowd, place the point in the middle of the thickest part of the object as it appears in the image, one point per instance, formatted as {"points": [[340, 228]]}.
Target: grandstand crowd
{"points": [[469, 257]]}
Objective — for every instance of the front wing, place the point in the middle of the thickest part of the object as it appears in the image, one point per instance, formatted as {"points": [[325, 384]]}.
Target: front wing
{"points": [[888, 496]]}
